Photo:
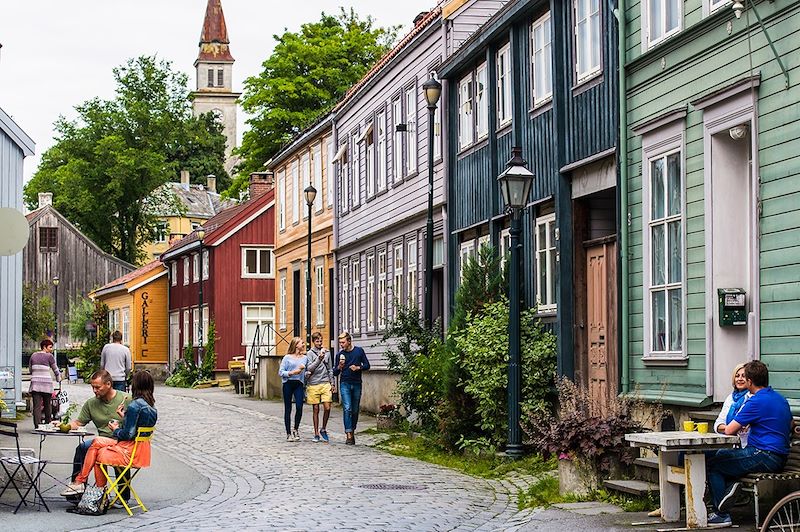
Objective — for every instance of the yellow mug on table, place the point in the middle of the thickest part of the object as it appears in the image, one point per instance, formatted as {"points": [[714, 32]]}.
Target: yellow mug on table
{"points": [[702, 428], [688, 426]]}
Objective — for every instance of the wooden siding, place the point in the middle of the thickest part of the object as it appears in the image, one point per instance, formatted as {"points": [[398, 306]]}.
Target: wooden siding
{"points": [[694, 65], [467, 19], [150, 344]]}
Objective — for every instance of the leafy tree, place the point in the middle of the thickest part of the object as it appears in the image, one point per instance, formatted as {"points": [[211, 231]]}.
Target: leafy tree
{"points": [[307, 73], [81, 312], [105, 165], [37, 313], [89, 353]]}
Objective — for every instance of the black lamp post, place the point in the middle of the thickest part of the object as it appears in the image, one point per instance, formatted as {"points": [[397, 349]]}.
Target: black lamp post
{"points": [[56, 280], [515, 184], [432, 90], [311, 194], [201, 233]]}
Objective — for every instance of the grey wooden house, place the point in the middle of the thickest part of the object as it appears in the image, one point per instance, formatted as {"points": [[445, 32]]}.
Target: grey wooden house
{"points": [[541, 75]]}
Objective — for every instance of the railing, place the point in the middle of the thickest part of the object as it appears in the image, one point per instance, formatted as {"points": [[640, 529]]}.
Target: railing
{"points": [[265, 341]]}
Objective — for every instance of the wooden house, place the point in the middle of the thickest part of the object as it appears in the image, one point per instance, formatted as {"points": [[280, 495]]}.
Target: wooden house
{"points": [[137, 307], [227, 277], [710, 132], [15, 145], [56, 248], [541, 75]]}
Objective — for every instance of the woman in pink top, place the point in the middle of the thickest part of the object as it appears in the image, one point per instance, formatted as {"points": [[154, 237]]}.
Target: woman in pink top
{"points": [[42, 382]]}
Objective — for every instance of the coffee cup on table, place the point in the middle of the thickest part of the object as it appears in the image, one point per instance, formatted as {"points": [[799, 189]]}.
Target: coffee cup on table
{"points": [[688, 426], [702, 428]]}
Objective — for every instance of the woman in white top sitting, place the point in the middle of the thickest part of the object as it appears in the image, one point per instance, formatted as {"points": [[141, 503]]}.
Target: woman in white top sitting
{"points": [[733, 403]]}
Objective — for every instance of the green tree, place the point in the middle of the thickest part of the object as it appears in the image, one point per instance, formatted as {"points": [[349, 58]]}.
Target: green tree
{"points": [[307, 73], [37, 313], [107, 163]]}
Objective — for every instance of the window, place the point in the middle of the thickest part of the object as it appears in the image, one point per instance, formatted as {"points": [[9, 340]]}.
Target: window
{"points": [[259, 318], [587, 38], [196, 326], [437, 126], [355, 283], [195, 267], [665, 242], [382, 288], [113, 320], [663, 19], [484, 240], [210, 77], [411, 283], [281, 199], [305, 180], [383, 149], [205, 324], [319, 275], [256, 262], [126, 326], [316, 161], [466, 250], [330, 168], [186, 328], [465, 112], [173, 273], [205, 264], [369, 161], [412, 152], [541, 60], [505, 245], [282, 300], [185, 271], [397, 145], [341, 175], [355, 172], [162, 232], [713, 5], [438, 252], [371, 292], [295, 192], [546, 268], [220, 78], [481, 102], [48, 239], [397, 279], [344, 276], [504, 85]]}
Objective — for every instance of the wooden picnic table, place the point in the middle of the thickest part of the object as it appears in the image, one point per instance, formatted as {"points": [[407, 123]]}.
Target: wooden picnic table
{"points": [[692, 475]]}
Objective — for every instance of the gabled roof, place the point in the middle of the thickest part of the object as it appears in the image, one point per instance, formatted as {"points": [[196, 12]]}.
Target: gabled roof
{"points": [[33, 216], [214, 41], [120, 282], [198, 201], [15, 133]]}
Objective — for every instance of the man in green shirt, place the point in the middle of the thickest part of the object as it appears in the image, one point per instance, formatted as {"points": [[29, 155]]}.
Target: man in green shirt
{"points": [[106, 405]]}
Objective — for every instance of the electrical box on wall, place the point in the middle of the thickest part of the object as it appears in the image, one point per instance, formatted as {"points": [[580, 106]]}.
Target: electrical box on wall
{"points": [[732, 307]]}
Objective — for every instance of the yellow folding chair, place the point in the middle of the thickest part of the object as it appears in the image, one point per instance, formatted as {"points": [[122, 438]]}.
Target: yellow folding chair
{"points": [[123, 481]]}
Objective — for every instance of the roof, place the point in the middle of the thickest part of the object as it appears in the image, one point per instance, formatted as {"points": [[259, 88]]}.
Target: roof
{"points": [[301, 138], [120, 282], [214, 41], [423, 23], [15, 133], [198, 201]]}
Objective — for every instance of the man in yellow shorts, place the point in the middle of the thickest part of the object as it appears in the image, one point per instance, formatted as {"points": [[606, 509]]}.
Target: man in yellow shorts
{"points": [[319, 386]]}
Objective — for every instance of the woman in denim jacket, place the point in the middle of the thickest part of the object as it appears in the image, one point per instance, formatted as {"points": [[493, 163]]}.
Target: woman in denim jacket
{"points": [[117, 451]]}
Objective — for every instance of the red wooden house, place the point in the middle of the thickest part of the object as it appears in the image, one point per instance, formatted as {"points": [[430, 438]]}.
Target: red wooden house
{"points": [[227, 277]]}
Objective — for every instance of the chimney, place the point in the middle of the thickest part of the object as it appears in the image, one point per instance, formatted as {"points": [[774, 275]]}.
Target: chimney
{"points": [[260, 183], [185, 177], [211, 183], [45, 198], [419, 17]]}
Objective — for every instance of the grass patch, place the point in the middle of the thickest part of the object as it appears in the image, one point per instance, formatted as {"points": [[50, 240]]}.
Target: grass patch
{"points": [[479, 465], [544, 493]]}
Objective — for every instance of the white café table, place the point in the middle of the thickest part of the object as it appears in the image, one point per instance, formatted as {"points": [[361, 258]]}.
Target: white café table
{"points": [[692, 474]]}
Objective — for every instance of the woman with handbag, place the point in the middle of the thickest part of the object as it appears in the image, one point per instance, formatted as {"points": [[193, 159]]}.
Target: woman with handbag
{"points": [[319, 386], [292, 373], [42, 362]]}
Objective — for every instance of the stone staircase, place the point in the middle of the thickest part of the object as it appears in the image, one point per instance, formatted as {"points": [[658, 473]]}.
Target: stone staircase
{"points": [[645, 479]]}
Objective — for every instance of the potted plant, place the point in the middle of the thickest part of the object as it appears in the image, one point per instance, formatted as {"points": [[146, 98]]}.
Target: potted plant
{"points": [[65, 417], [388, 416]]}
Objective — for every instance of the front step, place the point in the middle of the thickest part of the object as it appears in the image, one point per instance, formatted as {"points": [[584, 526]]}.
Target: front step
{"points": [[639, 488], [646, 469]]}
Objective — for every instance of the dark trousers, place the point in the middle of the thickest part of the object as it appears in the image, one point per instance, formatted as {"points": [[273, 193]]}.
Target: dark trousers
{"points": [[80, 456], [42, 405], [292, 391], [726, 466], [119, 385]]}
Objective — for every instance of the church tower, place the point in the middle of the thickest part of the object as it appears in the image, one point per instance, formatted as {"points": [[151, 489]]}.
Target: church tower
{"points": [[214, 74]]}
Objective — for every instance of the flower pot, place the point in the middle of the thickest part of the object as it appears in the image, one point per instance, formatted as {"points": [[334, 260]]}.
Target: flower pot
{"points": [[385, 422]]}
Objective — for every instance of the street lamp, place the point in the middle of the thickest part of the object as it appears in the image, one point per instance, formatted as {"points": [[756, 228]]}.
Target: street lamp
{"points": [[432, 90], [515, 184], [201, 233], [56, 280], [310, 194]]}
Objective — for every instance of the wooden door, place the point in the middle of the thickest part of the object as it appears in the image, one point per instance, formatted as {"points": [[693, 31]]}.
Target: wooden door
{"points": [[600, 330]]}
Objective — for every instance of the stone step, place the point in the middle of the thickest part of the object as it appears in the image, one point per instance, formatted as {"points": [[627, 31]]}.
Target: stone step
{"points": [[646, 469], [649, 461], [633, 487]]}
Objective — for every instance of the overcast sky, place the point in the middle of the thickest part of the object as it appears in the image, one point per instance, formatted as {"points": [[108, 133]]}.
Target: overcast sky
{"points": [[57, 54]]}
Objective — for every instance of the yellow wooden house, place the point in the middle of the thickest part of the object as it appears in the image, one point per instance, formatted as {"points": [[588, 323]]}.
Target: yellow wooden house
{"points": [[137, 307]]}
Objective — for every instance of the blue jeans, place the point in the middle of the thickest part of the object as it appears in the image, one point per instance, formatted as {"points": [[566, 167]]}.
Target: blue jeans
{"points": [[726, 466], [119, 385], [292, 391], [350, 392]]}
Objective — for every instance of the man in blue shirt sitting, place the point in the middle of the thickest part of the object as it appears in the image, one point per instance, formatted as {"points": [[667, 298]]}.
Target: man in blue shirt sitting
{"points": [[768, 415]]}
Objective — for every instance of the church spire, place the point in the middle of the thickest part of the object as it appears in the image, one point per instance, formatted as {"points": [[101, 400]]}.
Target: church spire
{"points": [[214, 42]]}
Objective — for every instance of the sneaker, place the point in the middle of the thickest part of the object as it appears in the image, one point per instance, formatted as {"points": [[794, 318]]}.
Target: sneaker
{"points": [[289, 437], [73, 488], [719, 520], [729, 499], [295, 435], [316, 439], [324, 434]]}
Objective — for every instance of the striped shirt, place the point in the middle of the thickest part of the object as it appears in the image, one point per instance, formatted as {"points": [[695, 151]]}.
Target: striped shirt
{"points": [[41, 364]]}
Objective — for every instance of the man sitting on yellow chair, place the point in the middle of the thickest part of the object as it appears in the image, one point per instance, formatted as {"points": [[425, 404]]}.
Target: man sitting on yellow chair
{"points": [[119, 450]]}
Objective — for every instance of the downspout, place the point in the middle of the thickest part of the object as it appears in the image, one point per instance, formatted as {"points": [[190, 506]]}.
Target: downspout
{"points": [[335, 190], [622, 158]]}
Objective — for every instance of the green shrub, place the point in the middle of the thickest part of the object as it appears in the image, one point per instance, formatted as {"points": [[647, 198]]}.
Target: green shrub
{"points": [[89, 353], [209, 362], [184, 375]]}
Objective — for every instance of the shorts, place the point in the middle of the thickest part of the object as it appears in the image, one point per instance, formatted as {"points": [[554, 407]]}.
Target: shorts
{"points": [[318, 393]]}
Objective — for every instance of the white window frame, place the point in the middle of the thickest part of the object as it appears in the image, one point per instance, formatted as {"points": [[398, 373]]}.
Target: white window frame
{"points": [[293, 170], [282, 300], [383, 149], [481, 102], [504, 96], [465, 125], [185, 271], [542, 60], [173, 273], [382, 267], [412, 257], [592, 20], [319, 273], [397, 279], [196, 326], [269, 274], [247, 317], [369, 160], [371, 291], [205, 264], [711, 6], [355, 284], [330, 172], [195, 267], [437, 125], [397, 142], [484, 240], [282, 199], [505, 245], [411, 140], [544, 260], [162, 231], [205, 324], [344, 277], [126, 325], [668, 147], [355, 168], [186, 327], [663, 32], [465, 250], [305, 180]]}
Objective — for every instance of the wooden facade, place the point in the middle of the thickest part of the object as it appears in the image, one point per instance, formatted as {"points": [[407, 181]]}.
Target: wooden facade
{"points": [[138, 302], [58, 248], [711, 98], [566, 126], [15, 145]]}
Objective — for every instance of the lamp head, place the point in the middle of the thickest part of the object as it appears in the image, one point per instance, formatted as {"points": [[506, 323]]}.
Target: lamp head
{"points": [[201, 233], [432, 90], [515, 181], [311, 194], [56, 280]]}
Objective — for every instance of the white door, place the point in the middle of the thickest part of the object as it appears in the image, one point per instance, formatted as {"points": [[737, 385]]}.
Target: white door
{"points": [[174, 338]]}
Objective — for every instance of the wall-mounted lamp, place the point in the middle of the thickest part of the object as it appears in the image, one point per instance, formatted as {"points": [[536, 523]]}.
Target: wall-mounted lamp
{"points": [[738, 7]]}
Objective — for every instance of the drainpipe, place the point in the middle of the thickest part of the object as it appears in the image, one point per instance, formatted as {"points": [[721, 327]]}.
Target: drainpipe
{"points": [[622, 159], [335, 190]]}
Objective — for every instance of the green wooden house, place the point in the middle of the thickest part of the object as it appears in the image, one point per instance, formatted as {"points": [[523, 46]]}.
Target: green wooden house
{"points": [[710, 125]]}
